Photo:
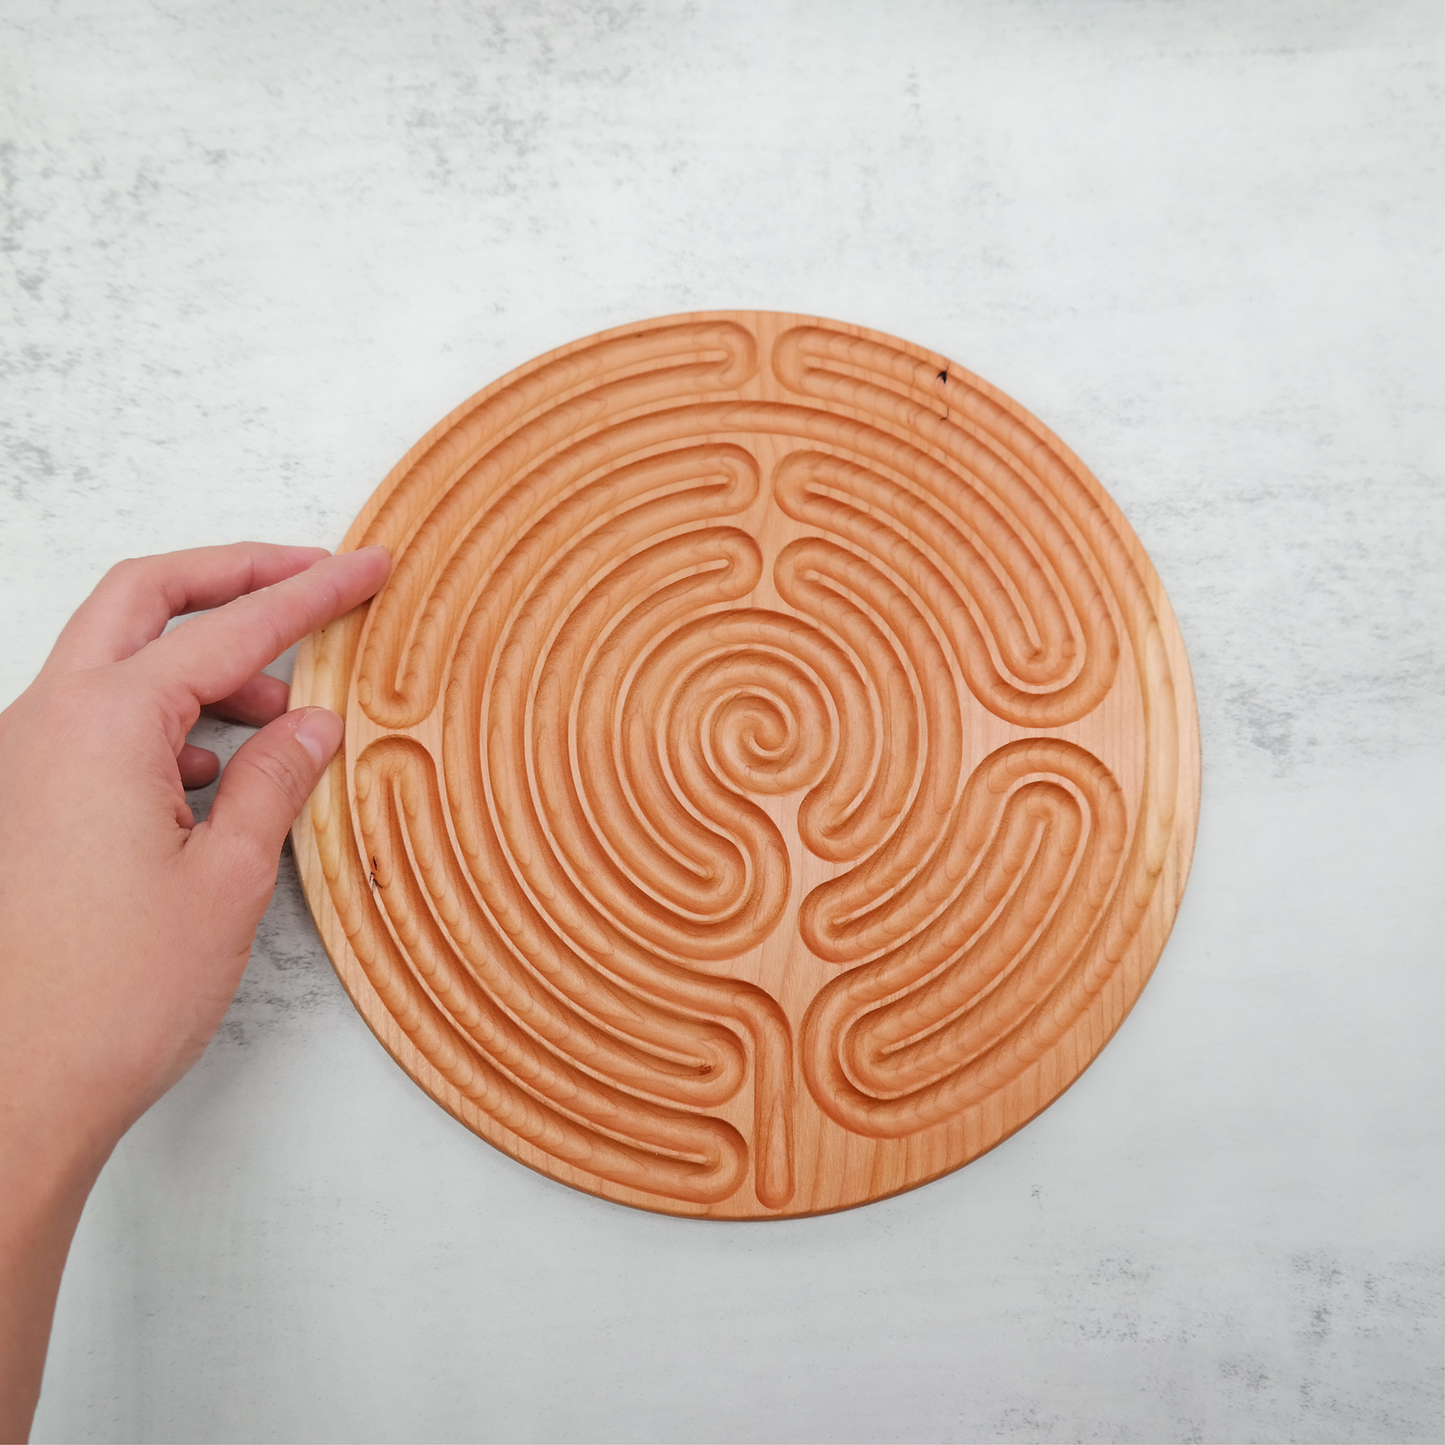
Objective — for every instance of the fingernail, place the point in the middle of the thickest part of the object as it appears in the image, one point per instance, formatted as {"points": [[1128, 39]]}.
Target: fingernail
{"points": [[319, 732]]}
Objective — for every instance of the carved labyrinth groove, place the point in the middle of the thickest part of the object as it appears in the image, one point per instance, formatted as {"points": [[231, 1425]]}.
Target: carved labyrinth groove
{"points": [[770, 773]]}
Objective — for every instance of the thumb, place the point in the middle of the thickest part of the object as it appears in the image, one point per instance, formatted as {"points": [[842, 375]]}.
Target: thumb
{"points": [[269, 780]]}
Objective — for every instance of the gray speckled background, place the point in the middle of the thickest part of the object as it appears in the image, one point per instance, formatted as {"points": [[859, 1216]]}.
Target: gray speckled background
{"points": [[252, 251]]}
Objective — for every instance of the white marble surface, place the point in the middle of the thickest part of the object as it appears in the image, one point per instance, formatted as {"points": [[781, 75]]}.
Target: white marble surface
{"points": [[252, 251]]}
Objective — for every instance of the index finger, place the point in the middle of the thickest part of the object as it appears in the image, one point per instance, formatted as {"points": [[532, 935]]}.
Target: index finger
{"points": [[132, 603], [212, 655]]}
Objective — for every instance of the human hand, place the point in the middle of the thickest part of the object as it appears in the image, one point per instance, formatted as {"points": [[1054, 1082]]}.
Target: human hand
{"points": [[124, 925]]}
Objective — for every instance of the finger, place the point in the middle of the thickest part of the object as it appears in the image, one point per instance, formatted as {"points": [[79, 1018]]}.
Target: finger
{"points": [[266, 785], [134, 600], [257, 701], [210, 657], [198, 766]]}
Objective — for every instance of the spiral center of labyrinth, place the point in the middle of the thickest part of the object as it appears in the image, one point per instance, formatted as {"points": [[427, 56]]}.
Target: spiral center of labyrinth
{"points": [[762, 755]]}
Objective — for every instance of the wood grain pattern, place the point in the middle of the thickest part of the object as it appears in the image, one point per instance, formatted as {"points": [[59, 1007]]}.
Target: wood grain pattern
{"points": [[771, 770]]}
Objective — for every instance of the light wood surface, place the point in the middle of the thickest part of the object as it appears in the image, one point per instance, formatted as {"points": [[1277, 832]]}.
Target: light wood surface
{"points": [[771, 770]]}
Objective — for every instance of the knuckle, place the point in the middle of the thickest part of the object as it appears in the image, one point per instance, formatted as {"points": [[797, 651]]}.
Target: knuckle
{"points": [[128, 573], [131, 581], [282, 771]]}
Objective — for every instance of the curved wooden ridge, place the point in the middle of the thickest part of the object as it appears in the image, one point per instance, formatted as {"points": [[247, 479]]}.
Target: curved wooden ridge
{"points": [[770, 773]]}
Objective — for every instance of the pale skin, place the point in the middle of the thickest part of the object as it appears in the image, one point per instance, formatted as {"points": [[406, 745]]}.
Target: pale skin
{"points": [[125, 925]]}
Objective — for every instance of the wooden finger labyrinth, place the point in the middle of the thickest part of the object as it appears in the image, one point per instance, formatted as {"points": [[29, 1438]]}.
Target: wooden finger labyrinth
{"points": [[770, 772]]}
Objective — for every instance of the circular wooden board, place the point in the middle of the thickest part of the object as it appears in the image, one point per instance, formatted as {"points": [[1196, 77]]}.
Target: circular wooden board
{"points": [[771, 770]]}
